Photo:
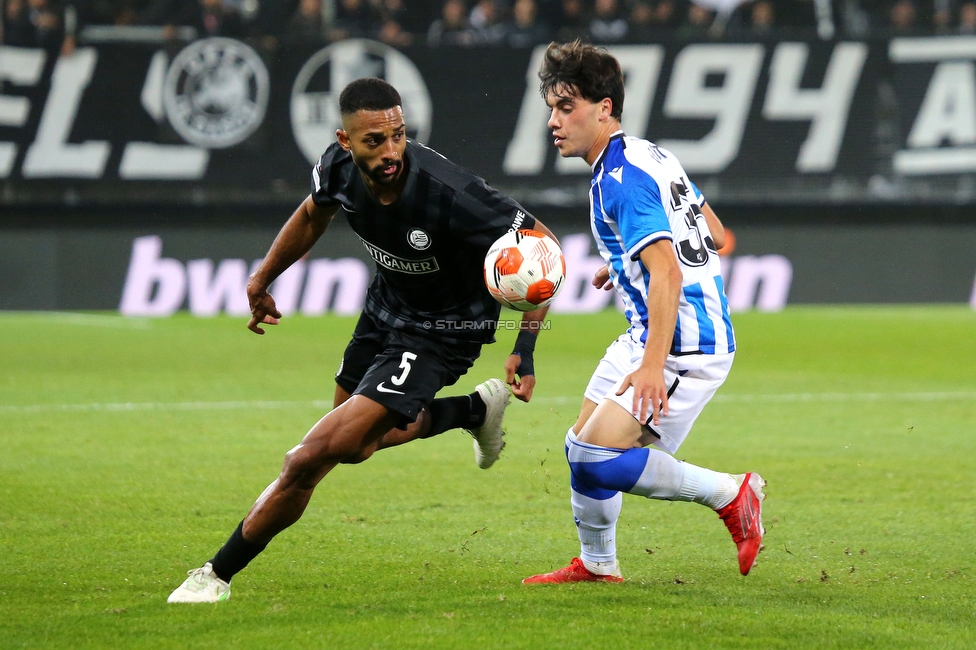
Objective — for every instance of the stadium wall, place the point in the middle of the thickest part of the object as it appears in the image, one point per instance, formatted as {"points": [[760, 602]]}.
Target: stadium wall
{"points": [[224, 122], [847, 169], [155, 271]]}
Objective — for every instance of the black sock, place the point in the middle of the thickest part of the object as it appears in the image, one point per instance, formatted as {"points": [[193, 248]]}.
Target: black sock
{"points": [[478, 410], [235, 554], [464, 412]]}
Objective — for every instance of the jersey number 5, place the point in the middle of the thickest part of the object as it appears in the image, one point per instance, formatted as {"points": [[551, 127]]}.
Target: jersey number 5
{"points": [[405, 365]]}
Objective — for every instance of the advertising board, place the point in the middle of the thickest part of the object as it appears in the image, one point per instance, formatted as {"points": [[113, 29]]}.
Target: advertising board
{"points": [[220, 121]]}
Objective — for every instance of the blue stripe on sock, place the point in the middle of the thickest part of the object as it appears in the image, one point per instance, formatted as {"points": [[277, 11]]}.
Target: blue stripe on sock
{"points": [[618, 474], [590, 491], [585, 489]]}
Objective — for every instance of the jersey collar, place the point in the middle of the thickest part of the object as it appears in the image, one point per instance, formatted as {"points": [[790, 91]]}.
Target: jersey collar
{"points": [[619, 133]]}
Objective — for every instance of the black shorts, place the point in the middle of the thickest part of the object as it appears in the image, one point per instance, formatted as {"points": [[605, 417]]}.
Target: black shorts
{"points": [[401, 370]]}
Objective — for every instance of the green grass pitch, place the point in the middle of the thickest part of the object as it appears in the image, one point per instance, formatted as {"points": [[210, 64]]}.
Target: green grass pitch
{"points": [[130, 450]]}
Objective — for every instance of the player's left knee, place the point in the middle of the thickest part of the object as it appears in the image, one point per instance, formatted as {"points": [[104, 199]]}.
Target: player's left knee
{"points": [[610, 469], [300, 469], [589, 490]]}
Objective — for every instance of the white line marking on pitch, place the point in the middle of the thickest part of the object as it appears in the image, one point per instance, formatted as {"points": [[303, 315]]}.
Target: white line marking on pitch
{"points": [[849, 397], [814, 397], [128, 407], [77, 318]]}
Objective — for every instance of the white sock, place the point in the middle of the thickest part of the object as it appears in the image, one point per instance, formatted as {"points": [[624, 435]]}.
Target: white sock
{"points": [[596, 524], [665, 477]]}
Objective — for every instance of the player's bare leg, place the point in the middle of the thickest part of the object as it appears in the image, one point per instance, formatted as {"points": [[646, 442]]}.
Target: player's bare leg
{"points": [[611, 425], [419, 428], [586, 410], [344, 433], [351, 433]]}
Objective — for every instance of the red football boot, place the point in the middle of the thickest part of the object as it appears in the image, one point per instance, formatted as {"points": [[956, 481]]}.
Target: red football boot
{"points": [[743, 518], [575, 572]]}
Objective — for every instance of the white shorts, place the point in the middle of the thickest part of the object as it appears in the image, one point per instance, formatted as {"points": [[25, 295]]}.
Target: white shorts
{"points": [[693, 379]]}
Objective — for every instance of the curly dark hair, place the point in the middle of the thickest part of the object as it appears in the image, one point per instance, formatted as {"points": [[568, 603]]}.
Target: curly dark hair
{"points": [[368, 94], [584, 69]]}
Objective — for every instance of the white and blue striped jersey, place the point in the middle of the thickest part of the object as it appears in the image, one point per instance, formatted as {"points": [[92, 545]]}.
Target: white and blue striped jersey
{"points": [[640, 194]]}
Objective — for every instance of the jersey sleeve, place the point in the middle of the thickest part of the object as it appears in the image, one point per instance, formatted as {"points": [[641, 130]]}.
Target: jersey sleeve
{"points": [[481, 214], [638, 210], [325, 176]]}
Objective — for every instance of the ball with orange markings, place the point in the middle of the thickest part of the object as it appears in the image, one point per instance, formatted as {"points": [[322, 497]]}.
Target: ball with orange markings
{"points": [[524, 270]]}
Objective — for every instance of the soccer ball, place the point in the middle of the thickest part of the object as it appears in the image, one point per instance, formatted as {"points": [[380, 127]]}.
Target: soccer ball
{"points": [[524, 270]]}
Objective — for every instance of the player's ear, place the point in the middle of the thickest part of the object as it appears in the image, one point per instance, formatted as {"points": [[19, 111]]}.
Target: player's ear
{"points": [[343, 139], [606, 108]]}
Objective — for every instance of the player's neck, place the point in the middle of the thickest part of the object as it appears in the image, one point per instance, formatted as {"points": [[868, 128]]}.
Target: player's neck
{"points": [[606, 130]]}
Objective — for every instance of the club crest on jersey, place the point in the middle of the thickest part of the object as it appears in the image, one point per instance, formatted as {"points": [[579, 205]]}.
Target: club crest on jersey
{"points": [[418, 239]]}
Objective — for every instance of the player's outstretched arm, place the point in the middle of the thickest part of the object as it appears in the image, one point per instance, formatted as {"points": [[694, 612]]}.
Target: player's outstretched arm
{"points": [[295, 239]]}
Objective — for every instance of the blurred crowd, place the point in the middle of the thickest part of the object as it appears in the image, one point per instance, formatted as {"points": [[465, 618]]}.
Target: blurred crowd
{"points": [[461, 23]]}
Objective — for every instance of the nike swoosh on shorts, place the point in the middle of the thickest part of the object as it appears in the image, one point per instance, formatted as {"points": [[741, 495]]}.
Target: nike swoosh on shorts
{"points": [[382, 389]]}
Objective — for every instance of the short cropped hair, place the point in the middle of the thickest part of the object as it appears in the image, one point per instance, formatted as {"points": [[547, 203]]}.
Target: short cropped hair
{"points": [[368, 95], [590, 71]]}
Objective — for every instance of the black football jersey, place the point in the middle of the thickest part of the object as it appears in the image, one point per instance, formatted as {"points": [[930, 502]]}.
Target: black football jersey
{"points": [[429, 245]]}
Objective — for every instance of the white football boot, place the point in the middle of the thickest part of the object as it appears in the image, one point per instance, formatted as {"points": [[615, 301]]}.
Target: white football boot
{"points": [[489, 437], [202, 586]]}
